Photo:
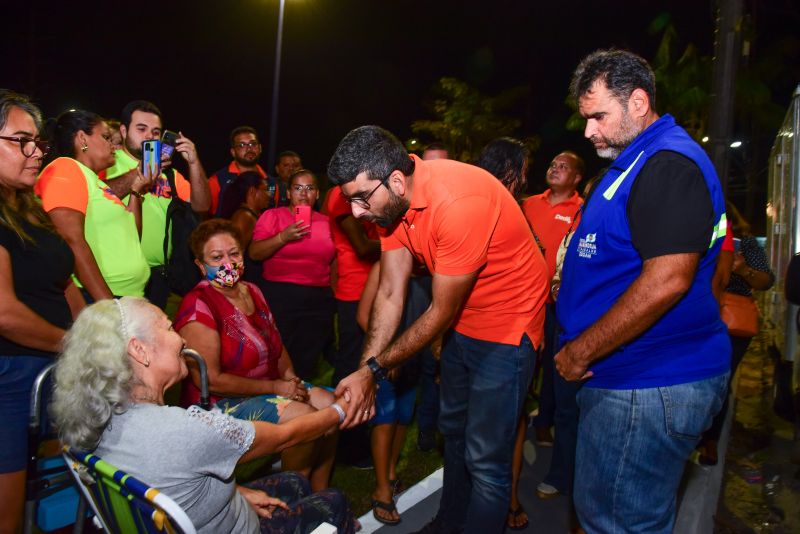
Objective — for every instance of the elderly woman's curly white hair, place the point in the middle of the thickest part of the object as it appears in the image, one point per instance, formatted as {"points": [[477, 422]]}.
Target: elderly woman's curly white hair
{"points": [[93, 374]]}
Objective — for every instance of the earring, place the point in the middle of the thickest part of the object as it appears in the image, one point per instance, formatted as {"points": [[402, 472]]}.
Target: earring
{"points": [[147, 363], [84, 148]]}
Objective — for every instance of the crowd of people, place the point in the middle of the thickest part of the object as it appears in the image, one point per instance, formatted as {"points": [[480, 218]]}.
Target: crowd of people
{"points": [[408, 271]]}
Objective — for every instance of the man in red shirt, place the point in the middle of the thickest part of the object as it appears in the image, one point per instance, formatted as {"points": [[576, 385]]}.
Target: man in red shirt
{"points": [[489, 286], [551, 215]]}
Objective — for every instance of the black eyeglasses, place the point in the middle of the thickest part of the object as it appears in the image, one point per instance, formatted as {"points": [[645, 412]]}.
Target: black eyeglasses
{"points": [[362, 202], [251, 144], [299, 188], [28, 146]]}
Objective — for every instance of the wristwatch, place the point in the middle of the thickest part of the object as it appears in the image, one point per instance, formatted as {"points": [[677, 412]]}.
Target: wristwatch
{"points": [[378, 372]]}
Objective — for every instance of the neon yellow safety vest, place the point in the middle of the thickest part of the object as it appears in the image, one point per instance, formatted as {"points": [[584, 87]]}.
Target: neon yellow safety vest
{"points": [[154, 208]]}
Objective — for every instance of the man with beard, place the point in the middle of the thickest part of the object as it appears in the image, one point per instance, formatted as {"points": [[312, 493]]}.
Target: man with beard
{"points": [[246, 151], [640, 324], [141, 121], [489, 285]]}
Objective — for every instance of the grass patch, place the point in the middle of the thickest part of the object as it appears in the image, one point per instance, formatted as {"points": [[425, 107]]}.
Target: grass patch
{"points": [[413, 466]]}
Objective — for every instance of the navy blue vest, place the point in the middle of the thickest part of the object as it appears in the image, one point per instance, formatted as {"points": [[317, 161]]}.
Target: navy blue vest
{"points": [[689, 342]]}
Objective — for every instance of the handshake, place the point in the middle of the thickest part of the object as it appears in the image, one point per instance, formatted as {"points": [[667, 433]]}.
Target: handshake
{"points": [[355, 397]]}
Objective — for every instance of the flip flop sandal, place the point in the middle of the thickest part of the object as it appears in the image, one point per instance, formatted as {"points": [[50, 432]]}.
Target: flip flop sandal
{"points": [[397, 486], [515, 513], [386, 507]]}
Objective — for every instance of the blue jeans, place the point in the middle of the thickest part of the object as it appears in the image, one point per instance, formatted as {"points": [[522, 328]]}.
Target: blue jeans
{"points": [[482, 391], [632, 448], [17, 374]]}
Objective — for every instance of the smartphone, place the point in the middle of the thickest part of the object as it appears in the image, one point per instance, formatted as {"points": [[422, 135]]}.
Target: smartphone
{"points": [[303, 213], [168, 140], [151, 158]]}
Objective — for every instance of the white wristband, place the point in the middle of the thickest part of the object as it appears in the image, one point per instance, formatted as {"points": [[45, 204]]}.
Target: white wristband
{"points": [[340, 411]]}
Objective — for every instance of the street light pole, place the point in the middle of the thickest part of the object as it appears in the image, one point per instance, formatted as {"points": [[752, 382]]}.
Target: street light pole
{"points": [[276, 81]]}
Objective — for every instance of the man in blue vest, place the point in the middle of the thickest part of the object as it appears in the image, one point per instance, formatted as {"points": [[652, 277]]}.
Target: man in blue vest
{"points": [[640, 324]]}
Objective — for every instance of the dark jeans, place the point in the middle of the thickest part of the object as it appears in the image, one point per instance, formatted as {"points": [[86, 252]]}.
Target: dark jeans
{"points": [[547, 394], [304, 316], [428, 408], [739, 346], [351, 340], [482, 392], [561, 474]]}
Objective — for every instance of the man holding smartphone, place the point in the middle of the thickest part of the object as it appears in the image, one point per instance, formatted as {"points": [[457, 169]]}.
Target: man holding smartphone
{"points": [[142, 121]]}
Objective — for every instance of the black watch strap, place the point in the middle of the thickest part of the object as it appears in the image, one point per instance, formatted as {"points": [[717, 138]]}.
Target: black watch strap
{"points": [[378, 372]]}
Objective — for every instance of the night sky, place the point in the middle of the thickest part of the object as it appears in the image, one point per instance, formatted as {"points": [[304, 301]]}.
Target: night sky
{"points": [[208, 64]]}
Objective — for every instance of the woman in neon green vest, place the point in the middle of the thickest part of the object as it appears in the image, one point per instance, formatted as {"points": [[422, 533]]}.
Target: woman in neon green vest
{"points": [[102, 232]]}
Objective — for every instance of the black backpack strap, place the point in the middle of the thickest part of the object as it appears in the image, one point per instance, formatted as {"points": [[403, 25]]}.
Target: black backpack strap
{"points": [[224, 179], [170, 174]]}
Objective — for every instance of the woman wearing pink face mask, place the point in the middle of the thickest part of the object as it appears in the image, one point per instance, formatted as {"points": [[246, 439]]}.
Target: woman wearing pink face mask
{"points": [[250, 373]]}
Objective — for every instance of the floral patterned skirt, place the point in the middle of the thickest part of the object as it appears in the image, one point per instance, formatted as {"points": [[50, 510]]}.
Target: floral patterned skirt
{"points": [[306, 510]]}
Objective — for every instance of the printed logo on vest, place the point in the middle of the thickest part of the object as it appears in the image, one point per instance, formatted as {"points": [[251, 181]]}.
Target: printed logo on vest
{"points": [[161, 187], [587, 247], [566, 218], [109, 194]]}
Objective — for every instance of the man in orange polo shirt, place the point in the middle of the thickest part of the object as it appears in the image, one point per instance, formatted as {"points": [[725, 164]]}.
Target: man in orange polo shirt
{"points": [[551, 215], [245, 151], [489, 286]]}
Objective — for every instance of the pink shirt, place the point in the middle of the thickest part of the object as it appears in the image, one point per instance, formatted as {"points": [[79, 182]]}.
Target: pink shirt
{"points": [[306, 261]]}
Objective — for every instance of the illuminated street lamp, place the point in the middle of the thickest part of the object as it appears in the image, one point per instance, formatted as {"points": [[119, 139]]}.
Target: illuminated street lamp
{"points": [[276, 80]]}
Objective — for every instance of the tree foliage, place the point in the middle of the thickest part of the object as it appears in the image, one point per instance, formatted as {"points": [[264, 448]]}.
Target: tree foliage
{"points": [[466, 119], [684, 81]]}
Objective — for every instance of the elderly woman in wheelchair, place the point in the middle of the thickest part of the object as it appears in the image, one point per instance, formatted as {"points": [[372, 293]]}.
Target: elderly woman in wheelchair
{"points": [[119, 358]]}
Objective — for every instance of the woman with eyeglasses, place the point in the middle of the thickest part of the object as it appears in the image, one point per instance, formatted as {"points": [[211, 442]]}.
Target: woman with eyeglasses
{"points": [[296, 274], [37, 297], [102, 232]]}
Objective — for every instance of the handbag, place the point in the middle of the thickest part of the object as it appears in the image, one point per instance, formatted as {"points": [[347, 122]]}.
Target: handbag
{"points": [[740, 313]]}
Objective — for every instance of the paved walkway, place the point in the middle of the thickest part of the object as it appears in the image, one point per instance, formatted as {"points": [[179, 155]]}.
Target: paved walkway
{"points": [[418, 505], [755, 487]]}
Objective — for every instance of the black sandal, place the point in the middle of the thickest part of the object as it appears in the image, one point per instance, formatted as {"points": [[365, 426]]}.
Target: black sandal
{"points": [[397, 486], [515, 513], [386, 507]]}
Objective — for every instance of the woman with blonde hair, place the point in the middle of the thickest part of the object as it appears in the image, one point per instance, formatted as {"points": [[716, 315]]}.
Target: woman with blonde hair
{"points": [[119, 358]]}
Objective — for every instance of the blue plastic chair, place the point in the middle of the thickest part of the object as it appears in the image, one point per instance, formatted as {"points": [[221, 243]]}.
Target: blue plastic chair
{"points": [[51, 499]]}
